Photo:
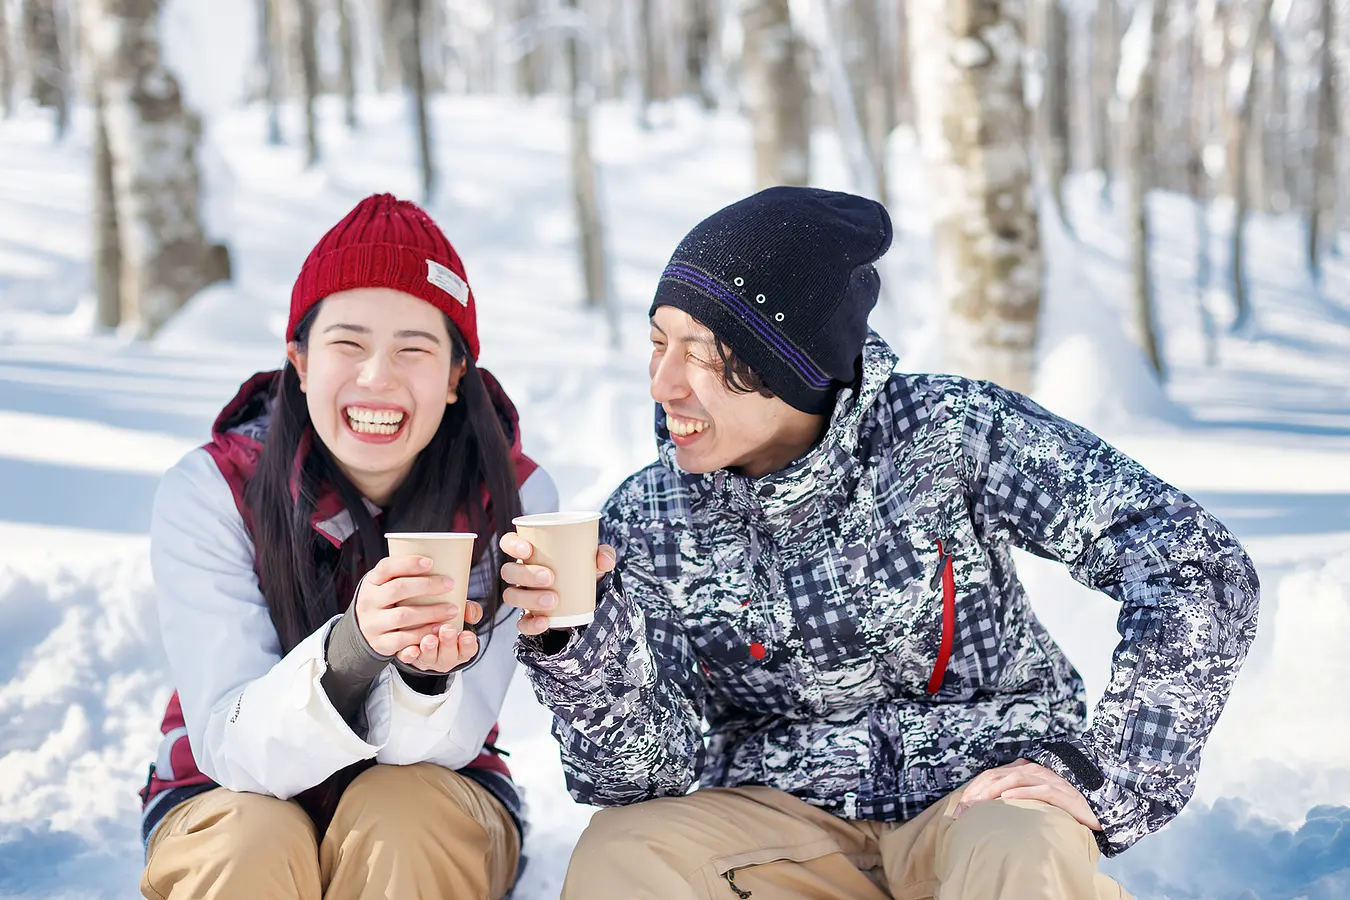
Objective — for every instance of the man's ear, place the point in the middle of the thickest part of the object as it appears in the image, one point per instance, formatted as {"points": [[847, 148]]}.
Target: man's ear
{"points": [[300, 359], [456, 376]]}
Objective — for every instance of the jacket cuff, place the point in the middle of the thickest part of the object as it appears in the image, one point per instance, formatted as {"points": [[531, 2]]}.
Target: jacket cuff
{"points": [[1120, 811], [580, 660]]}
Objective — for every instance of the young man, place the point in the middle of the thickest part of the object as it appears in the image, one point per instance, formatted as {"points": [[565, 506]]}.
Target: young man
{"points": [[820, 567]]}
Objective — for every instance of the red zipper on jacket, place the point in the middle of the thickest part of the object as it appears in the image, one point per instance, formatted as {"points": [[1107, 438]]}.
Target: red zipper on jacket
{"points": [[948, 620]]}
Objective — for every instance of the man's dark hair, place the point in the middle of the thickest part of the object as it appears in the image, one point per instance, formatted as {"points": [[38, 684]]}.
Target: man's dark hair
{"points": [[737, 375]]}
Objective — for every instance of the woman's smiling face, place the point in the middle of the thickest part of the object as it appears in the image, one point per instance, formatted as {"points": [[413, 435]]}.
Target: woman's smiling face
{"points": [[378, 371]]}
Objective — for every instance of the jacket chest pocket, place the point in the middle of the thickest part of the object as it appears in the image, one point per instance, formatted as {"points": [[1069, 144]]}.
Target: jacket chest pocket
{"points": [[876, 604], [740, 662]]}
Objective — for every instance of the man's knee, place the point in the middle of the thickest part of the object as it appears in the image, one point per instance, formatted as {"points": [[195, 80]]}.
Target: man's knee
{"points": [[612, 830], [997, 830]]}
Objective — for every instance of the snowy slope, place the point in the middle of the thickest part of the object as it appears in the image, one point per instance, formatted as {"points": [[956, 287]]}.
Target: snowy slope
{"points": [[88, 422]]}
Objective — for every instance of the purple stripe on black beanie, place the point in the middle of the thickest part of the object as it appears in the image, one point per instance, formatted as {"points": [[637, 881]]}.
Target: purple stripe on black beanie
{"points": [[785, 278]]}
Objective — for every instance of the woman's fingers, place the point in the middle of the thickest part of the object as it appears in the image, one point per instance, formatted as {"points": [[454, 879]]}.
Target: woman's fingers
{"points": [[442, 651], [411, 587], [473, 612], [392, 567], [407, 616]]}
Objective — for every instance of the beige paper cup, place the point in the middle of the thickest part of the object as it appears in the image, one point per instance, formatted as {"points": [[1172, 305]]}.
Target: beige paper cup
{"points": [[566, 542], [451, 553]]}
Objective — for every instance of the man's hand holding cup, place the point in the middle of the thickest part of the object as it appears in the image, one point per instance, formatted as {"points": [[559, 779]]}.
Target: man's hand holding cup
{"points": [[558, 561]]}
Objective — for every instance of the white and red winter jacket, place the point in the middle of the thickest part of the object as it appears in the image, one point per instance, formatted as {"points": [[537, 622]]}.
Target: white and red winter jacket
{"points": [[247, 718]]}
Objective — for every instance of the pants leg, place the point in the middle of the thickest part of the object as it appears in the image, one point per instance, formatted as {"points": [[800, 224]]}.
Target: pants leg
{"points": [[997, 850], [225, 844], [418, 831], [771, 844]]}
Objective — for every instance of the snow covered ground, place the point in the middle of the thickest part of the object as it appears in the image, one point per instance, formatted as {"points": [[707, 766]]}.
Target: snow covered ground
{"points": [[87, 423]]}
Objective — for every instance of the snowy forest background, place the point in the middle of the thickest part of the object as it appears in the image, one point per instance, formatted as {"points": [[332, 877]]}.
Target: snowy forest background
{"points": [[1135, 210]]}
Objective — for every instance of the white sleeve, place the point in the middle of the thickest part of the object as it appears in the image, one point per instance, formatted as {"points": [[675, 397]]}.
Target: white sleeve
{"points": [[256, 721], [449, 729]]}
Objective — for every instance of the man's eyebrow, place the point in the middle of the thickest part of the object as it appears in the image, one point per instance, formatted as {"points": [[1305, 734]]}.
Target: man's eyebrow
{"points": [[700, 339], [704, 340]]}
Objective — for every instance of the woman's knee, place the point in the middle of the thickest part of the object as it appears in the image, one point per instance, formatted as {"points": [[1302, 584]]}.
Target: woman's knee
{"points": [[247, 823], [397, 799]]}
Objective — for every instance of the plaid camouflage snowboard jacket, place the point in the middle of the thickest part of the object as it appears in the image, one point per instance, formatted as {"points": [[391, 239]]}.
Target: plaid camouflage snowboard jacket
{"points": [[851, 629]]}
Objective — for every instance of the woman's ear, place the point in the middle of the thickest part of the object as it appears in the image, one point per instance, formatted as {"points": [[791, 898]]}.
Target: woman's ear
{"points": [[300, 359], [456, 376]]}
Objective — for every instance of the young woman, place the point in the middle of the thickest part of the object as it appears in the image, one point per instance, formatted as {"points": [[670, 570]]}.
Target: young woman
{"points": [[327, 740]]}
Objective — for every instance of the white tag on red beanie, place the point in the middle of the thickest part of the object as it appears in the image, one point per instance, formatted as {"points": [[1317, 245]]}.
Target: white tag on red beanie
{"points": [[448, 281]]}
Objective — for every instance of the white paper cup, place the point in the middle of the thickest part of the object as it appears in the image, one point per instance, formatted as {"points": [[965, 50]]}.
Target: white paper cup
{"points": [[450, 552], [566, 542]]}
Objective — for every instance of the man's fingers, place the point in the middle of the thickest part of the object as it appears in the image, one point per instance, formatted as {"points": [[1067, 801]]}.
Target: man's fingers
{"points": [[1030, 792], [515, 546], [392, 567], [992, 783], [605, 559], [529, 599], [527, 576], [532, 625]]}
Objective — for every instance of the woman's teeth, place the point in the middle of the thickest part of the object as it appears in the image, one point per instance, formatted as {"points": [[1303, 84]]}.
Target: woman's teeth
{"points": [[374, 421], [684, 427]]}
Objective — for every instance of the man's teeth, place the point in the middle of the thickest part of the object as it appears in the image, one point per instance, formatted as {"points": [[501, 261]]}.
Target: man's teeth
{"points": [[685, 427], [374, 421]]}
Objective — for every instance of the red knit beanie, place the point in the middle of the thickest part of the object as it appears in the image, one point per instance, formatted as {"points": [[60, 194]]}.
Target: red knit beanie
{"points": [[386, 242]]}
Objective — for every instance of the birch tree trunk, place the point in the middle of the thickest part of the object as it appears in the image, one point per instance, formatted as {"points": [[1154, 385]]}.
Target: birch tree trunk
{"points": [[861, 45], [410, 21], [974, 131], [699, 52], [46, 61], [309, 72], [269, 56], [152, 143], [1246, 45], [6, 65], [777, 94], [1138, 89], [1206, 49], [652, 62], [1323, 199], [584, 190], [390, 72], [1053, 109], [348, 51], [1105, 50], [107, 239], [529, 42]]}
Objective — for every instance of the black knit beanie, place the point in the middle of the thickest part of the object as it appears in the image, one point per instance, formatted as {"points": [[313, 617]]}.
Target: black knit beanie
{"points": [[785, 279]]}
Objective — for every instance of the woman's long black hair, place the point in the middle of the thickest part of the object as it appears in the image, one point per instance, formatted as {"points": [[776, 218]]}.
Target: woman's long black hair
{"points": [[301, 574]]}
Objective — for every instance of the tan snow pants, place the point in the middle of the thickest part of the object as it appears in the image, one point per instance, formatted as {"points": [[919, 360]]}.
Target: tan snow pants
{"points": [[732, 844], [399, 831]]}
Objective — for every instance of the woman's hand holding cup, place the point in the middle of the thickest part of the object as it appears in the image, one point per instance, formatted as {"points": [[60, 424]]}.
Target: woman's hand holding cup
{"points": [[390, 625], [533, 586]]}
